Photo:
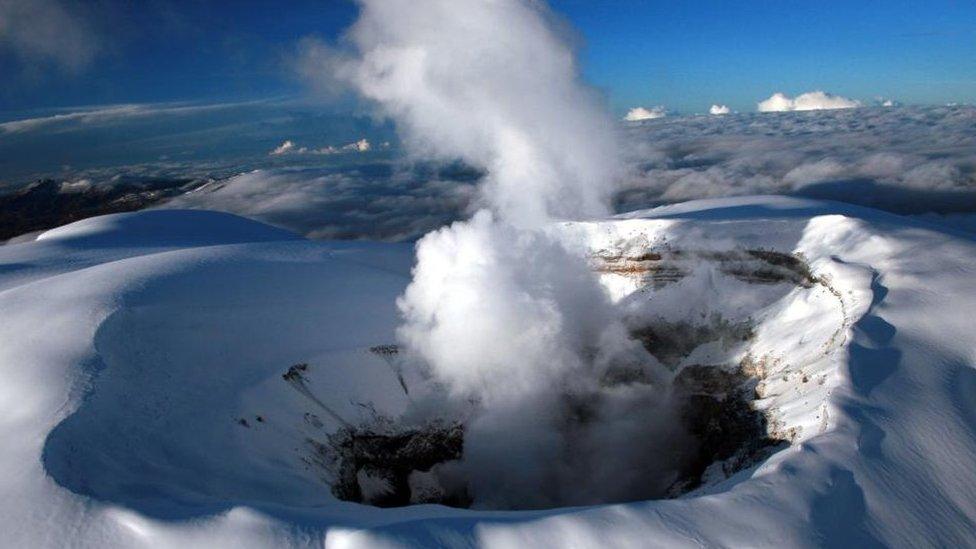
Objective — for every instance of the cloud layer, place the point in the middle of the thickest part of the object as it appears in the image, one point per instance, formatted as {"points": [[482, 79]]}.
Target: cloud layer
{"points": [[905, 160], [368, 201]]}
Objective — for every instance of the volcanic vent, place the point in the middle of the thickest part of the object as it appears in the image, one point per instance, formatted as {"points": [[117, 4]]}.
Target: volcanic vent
{"points": [[694, 407]]}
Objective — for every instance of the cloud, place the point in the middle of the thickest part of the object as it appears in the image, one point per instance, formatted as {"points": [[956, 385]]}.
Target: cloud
{"points": [[908, 160], [222, 139], [807, 173], [84, 117], [109, 114], [321, 66], [76, 186], [514, 107], [640, 113], [718, 109], [359, 146], [40, 32], [376, 202], [289, 147], [810, 101]]}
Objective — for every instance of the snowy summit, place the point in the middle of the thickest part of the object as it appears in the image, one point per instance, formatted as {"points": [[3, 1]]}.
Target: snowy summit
{"points": [[149, 380]]}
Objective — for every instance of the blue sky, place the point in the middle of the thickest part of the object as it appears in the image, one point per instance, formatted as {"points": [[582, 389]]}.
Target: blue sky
{"points": [[686, 55], [683, 55]]}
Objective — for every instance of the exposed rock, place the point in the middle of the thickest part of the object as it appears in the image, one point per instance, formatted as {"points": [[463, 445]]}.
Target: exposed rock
{"points": [[658, 268], [671, 342], [376, 468], [717, 409]]}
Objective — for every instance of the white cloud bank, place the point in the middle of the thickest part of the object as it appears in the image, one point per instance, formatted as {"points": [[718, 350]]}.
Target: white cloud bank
{"points": [[719, 109], [353, 204], [864, 156], [640, 113], [810, 101]]}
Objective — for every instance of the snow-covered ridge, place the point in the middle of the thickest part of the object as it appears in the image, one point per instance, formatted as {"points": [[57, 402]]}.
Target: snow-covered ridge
{"points": [[164, 228], [144, 402]]}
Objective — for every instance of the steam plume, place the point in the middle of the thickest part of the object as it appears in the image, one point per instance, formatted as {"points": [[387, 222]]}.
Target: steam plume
{"points": [[502, 312], [492, 83]]}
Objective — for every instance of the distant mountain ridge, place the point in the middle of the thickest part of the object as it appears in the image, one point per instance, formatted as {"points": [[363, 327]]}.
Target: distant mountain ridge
{"points": [[48, 203]]}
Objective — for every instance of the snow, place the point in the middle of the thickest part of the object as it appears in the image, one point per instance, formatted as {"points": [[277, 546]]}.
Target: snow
{"points": [[170, 228], [133, 345]]}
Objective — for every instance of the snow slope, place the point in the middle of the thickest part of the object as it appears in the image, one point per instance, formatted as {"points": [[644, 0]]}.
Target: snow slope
{"points": [[142, 399]]}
